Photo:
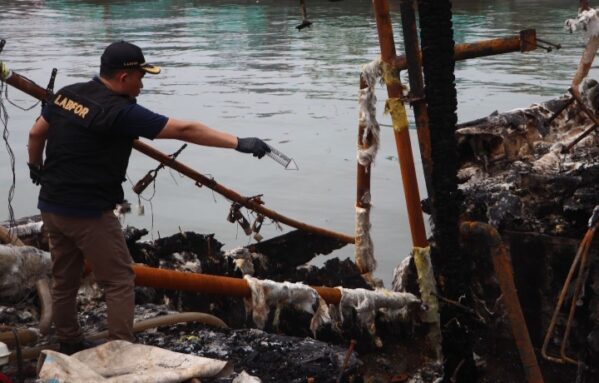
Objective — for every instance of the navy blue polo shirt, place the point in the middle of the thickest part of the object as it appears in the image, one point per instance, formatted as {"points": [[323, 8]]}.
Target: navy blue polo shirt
{"points": [[133, 121]]}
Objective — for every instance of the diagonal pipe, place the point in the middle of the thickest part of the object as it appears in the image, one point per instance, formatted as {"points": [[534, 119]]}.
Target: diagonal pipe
{"points": [[503, 270], [24, 84]]}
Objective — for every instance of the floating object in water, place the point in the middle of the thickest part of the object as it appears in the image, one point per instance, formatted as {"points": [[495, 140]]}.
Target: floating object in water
{"points": [[287, 162]]}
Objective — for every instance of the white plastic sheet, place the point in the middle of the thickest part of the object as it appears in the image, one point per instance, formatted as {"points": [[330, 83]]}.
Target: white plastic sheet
{"points": [[124, 362]]}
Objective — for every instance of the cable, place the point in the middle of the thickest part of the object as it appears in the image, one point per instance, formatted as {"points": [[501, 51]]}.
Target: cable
{"points": [[5, 135], [23, 108]]}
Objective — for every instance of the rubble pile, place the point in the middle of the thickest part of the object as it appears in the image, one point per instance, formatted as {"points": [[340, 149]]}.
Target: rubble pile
{"points": [[516, 174], [287, 350]]}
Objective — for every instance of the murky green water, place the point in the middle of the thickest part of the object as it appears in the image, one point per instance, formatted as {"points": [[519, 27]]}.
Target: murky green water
{"points": [[241, 66]]}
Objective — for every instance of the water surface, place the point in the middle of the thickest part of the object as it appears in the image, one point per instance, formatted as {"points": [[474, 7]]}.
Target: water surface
{"points": [[241, 66]]}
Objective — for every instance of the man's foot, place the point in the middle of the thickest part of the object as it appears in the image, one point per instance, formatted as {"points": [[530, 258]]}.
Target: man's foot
{"points": [[69, 348]]}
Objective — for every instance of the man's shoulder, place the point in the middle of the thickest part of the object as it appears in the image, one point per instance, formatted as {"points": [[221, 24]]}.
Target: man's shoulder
{"points": [[78, 89], [77, 85]]}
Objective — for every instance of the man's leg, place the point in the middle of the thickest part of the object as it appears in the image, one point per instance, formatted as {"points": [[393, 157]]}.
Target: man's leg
{"points": [[105, 249], [67, 267]]}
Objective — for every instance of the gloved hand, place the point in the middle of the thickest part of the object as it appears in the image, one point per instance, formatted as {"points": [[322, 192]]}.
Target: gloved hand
{"points": [[35, 173], [594, 217], [252, 145]]}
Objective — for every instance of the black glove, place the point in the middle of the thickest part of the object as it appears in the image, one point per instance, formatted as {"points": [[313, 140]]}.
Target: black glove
{"points": [[252, 145], [35, 173]]}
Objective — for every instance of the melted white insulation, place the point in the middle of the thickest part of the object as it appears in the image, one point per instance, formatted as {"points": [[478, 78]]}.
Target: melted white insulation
{"points": [[368, 302], [587, 21], [364, 248], [266, 294], [20, 268], [27, 229], [367, 99]]}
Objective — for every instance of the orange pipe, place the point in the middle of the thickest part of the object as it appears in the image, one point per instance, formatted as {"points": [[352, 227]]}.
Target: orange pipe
{"points": [[524, 42], [26, 336], [402, 138], [503, 271], [209, 284]]}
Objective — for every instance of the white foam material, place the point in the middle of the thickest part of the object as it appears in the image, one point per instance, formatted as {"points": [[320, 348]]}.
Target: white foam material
{"points": [[587, 21]]}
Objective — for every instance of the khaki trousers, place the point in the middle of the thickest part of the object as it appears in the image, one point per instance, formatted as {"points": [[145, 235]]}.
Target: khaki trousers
{"points": [[100, 241]]}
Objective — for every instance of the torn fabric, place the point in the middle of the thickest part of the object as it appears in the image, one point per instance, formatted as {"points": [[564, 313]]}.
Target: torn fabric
{"points": [[267, 294], [367, 118], [364, 248]]}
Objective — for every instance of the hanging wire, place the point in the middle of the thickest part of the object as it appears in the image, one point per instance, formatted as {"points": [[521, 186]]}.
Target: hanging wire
{"points": [[23, 108], [11, 156], [149, 200]]}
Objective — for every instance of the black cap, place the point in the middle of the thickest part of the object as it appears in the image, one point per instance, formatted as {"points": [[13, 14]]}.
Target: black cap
{"points": [[124, 55]]}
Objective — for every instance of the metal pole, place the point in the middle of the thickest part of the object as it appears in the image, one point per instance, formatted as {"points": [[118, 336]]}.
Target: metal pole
{"points": [[209, 284], [31, 88], [414, 61], [402, 138], [232, 195], [525, 41], [505, 277]]}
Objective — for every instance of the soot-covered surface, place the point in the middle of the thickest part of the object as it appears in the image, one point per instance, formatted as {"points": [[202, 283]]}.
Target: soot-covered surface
{"points": [[515, 175]]}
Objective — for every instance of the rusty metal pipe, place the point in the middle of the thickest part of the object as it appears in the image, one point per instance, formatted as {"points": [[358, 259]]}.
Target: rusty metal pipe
{"points": [[562, 298], [402, 138], [525, 41], [40, 93], [559, 111], [414, 63], [25, 337], [232, 195], [590, 114], [27, 86], [503, 271], [582, 259], [6, 236], [580, 280], [209, 284]]}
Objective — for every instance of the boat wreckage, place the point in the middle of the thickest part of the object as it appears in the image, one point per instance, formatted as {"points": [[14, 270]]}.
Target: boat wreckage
{"points": [[506, 291]]}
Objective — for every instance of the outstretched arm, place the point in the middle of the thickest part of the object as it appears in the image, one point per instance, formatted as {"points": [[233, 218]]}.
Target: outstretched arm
{"points": [[198, 133]]}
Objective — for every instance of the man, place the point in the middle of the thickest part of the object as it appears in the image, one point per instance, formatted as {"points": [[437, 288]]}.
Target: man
{"points": [[88, 130]]}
